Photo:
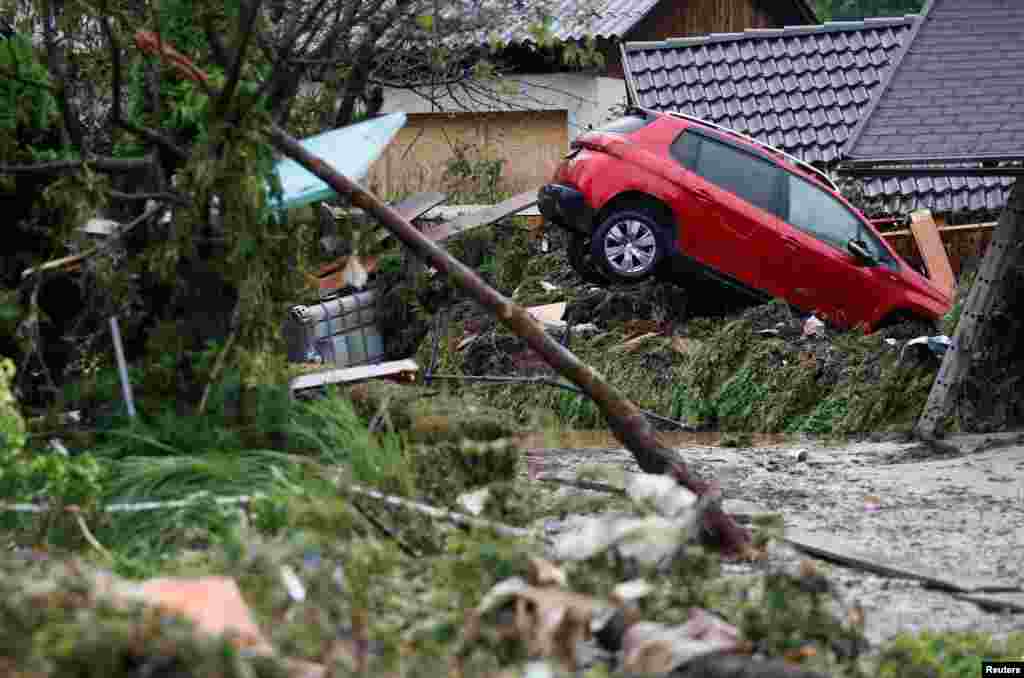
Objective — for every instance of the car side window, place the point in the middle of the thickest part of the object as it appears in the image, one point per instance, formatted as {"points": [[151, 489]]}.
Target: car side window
{"points": [[684, 149], [819, 214], [755, 180]]}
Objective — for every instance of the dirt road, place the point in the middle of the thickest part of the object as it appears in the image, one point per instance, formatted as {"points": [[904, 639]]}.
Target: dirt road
{"points": [[960, 515]]}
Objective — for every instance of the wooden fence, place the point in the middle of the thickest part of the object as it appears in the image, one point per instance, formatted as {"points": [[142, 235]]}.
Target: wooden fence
{"points": [[965, 245]]}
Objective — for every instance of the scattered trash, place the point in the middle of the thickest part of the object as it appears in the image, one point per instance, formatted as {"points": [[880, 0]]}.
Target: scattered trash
{"points": [[550, 315], [473, 502], [652, 648], [814, 327], [937, 345], [397, 370], [549, 287], [799, 455], [296, 589], [214, 604]]}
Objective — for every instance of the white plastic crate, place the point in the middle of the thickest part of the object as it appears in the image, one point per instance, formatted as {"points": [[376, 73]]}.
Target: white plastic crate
{"points": [[340, 331]]}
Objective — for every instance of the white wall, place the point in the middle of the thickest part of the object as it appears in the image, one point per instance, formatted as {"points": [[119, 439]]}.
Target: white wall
{"points": [[585, 98]]}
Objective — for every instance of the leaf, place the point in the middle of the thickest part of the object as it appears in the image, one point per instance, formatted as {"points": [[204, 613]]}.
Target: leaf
{"points": [[425, 21]]}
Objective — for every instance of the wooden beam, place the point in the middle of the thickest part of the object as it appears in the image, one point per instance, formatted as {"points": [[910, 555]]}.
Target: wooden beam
{"points": [[1003, 251], [929, 244]]}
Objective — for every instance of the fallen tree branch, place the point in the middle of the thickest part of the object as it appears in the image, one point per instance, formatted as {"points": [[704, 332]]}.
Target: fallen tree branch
{"points": [[441, 514], [101, 164], [624, 418]]}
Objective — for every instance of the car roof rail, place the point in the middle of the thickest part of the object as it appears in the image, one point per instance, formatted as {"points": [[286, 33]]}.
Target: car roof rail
{"points": [[802, 164]]}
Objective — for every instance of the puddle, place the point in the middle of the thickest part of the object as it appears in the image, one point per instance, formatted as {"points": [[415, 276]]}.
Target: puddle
{"points": [[603, 439]]}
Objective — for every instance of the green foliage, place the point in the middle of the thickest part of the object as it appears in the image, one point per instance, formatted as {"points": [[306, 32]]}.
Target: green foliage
{"points": [[944, 655], [12, 426], [58, 622], [841, 10], [471, 176], [25, 98]]}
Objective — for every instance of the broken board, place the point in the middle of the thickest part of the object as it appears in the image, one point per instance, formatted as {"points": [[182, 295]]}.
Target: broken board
{"points": [[835, 550], [348, 150], [396, 369], [472, 220], [933, 251]]}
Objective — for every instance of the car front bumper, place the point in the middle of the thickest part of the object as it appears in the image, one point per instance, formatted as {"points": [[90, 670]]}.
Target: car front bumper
{"points": [[566, 207]]}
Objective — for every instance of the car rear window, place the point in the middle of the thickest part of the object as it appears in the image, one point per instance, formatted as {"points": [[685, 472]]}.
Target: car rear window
{"points": [[625, 125], [757, 181]]}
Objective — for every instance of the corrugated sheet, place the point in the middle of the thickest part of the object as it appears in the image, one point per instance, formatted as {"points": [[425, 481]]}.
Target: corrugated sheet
{"points": [[576, 19], [803, 89]]}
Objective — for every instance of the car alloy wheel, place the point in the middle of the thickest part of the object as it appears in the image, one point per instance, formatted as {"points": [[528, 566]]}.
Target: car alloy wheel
{"points": [[628, 245]]}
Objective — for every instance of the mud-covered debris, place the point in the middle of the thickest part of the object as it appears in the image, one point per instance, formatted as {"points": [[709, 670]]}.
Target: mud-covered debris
{"points": [[652, 648], [663, 303], [474, 502], [662, 494]]}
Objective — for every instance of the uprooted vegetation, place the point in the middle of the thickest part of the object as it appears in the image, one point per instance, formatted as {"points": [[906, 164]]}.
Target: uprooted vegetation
{"points": [[699, 355], [334, 577]]}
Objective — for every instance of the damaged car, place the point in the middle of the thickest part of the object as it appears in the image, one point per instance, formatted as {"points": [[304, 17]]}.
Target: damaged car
{"points": [[673, 196]]}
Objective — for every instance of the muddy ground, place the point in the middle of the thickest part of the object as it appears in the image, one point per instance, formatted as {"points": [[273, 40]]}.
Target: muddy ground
{"points": [[961, 515]]}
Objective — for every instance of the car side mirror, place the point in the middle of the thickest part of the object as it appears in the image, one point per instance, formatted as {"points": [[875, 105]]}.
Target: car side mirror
{"points": [[857, 249]]}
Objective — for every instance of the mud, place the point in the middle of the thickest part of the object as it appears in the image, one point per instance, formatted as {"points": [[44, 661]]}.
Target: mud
{"points": [[961, 515]]}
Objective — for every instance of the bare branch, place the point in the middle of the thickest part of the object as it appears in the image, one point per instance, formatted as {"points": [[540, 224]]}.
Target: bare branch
{"points": [[58, 69], [246, 23], [102, 164], [146, 133]]}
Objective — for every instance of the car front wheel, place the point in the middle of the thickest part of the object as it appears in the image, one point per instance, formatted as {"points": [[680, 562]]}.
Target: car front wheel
{"points": [[628, 245]]}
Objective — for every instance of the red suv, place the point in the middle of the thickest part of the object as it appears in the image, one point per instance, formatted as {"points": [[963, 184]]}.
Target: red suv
{"points": [[671, 195]]}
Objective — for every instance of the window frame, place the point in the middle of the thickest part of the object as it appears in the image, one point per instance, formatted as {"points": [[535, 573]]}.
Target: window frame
{"points": [[864, 229], [780, 207]]}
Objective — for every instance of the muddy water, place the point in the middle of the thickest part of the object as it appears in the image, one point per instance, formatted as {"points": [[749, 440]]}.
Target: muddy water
{"points": [[602, 439]]}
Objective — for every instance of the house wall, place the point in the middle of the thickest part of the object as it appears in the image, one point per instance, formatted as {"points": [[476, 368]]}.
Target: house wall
{"points": [[528, 125], [530, 144], [686, 18]]}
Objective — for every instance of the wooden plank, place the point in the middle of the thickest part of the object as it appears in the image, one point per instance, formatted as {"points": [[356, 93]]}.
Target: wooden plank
{"points": [[1003, 250], [485, 217], [828, 547], [933, 251], [351, 375], [411, 209]]}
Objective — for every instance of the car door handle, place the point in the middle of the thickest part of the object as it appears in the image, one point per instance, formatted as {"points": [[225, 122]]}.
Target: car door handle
{"points": [[703, 195]]}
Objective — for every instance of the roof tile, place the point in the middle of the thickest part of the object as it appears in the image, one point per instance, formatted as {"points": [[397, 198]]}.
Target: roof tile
{"points": [[804, 89]]}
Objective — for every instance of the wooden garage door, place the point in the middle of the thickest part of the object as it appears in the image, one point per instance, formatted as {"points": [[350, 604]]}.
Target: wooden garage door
{"points": [[530, 144]]}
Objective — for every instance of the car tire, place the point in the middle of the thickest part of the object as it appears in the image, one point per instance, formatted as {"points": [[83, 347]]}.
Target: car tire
{"points": [[628, 246], [580, 258]]}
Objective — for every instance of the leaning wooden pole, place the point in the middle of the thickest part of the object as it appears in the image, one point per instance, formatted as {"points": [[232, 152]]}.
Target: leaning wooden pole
{"points": [[1003, 251], [624, 418]]}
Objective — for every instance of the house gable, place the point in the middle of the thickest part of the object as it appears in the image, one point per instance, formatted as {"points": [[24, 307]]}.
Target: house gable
{"points": [[957, 92]]}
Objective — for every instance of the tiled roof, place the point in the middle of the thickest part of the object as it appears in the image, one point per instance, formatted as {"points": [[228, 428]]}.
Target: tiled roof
{"points": [[612, 19], [803, 89], [958, 92], [576, 19]]}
